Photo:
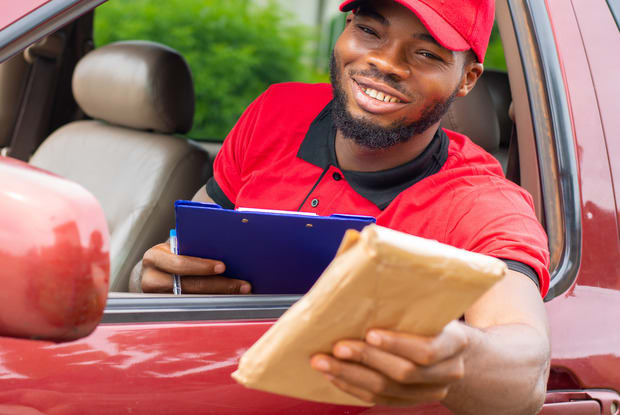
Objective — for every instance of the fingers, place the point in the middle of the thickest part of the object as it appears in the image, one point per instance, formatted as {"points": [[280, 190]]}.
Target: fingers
{"points": [[367, 396], [161, 258], [155, 281], [421, 350], [213, 285], [398, 368], [199, 275], [372, 386]]}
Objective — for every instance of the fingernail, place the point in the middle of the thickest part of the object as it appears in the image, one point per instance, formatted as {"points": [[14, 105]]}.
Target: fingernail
{"points": [[245, 289], [373, 338], [343, 352], [320, 364], [219, 268]]}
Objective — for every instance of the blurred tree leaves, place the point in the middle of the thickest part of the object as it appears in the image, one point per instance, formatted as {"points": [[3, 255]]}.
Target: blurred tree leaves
{"points": [[494, 58], [235, 48]]}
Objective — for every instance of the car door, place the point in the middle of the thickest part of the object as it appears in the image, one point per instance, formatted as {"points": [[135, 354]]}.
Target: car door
{"points": [[566, 55]]}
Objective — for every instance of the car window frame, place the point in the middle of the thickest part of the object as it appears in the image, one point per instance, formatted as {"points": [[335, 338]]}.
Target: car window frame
{"points": [[546, 126], [142, 308], [41, 22]]}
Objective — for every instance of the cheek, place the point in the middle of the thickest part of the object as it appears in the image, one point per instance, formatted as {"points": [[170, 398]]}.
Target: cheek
{"points": [[347, 49], [434, 87]]}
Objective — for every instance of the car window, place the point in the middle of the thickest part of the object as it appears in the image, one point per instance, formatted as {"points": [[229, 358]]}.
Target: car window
{"points": [[239, 54]]}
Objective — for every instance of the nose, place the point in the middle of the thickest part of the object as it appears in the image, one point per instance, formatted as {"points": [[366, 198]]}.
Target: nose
{"points": [[391, 60]]}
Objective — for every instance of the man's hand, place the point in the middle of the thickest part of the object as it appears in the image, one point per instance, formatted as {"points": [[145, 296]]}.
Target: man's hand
{"points": [[397, 369], [200, 276], [496, 363]]}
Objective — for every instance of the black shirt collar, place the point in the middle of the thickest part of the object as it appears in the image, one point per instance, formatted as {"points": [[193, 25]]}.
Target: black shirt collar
{"points": [[379, 187]]}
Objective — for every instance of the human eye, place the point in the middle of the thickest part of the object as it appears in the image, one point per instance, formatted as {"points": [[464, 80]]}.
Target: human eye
{"points": [[428, 55], [367, 30]]}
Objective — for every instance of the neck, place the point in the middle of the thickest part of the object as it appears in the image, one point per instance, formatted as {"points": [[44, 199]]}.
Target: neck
{"points": [[354, 157]]}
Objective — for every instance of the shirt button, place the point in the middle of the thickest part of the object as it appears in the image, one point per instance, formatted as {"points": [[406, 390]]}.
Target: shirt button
{"points": [[337, 176], [315, 202]]}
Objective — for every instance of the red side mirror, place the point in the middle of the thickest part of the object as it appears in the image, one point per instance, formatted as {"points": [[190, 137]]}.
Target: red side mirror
{"points": [[54, 255]]}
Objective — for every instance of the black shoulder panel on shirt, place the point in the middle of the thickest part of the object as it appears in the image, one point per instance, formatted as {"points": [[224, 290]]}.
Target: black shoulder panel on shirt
{"points": [[523, 269], [215, 192]]}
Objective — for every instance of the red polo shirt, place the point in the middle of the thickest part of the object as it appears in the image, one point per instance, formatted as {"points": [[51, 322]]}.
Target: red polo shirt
{"points": [[280, 155]]}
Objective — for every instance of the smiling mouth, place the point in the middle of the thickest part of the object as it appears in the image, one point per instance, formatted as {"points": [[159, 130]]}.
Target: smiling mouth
{"points": [[379, 96]]}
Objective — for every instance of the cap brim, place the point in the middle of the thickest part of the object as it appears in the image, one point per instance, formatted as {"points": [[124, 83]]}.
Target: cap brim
{"points": [[438, 28]]}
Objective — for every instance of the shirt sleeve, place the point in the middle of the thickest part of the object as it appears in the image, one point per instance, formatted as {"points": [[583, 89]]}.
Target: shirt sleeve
{"points": [[497, 218], [523, 269], [228, 167]]}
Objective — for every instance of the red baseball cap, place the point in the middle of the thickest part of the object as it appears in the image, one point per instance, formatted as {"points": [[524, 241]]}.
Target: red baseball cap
{"points": [[456, 24]]}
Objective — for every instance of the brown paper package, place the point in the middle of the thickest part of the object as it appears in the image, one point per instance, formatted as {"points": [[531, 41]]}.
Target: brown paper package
{"points": [[380, 278]]}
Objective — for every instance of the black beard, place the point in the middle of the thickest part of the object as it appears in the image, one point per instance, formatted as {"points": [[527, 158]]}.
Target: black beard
{"points": [[368, 134]]}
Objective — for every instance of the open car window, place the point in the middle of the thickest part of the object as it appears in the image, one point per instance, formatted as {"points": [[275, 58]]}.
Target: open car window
{"points": [[545, 154], [542, 127]]}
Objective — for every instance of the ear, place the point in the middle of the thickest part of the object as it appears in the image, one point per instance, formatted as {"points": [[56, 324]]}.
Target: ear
{"points": [[471, 73]]}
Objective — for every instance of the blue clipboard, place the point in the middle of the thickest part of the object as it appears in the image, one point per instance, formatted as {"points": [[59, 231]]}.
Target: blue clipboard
{"points": [[278, 253]]}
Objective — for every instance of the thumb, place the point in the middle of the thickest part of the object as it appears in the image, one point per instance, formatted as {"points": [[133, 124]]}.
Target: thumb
{"points": [[214, 285]]}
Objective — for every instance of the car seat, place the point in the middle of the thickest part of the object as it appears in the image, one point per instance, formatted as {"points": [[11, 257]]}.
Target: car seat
{"points": [[482, 115], [139, 94]]}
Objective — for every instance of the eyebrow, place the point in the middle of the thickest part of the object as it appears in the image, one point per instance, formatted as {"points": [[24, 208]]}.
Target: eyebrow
{"points": [[426, 37], [368, 12]]}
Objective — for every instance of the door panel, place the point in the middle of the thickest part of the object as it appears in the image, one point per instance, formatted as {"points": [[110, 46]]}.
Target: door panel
{"points": [[148, 368]]}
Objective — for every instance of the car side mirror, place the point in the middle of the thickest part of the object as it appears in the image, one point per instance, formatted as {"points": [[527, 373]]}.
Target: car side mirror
{"points": [[54, 255]]}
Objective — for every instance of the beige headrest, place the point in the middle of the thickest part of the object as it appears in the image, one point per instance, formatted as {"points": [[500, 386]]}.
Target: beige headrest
{"points": [[475, 116], [136, 84]]}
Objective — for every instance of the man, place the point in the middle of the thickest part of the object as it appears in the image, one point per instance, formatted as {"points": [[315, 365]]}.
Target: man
{"points": [[376, 149]]}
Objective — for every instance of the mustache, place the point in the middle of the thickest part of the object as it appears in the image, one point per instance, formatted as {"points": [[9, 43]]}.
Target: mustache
{"points": [[376, 75]]}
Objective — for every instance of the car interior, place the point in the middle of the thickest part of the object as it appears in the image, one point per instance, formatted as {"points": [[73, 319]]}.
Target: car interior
{"points": [[112, 119], [137, 95]]}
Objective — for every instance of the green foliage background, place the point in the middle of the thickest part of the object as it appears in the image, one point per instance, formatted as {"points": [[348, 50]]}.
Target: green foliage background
{"points": [[235, 48], [494, 58]]}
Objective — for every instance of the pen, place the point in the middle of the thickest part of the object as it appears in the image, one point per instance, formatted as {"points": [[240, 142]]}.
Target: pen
{"points": [[176, 279]]}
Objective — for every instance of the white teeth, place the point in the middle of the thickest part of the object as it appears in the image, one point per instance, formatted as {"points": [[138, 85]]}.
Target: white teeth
{"points": [[380, 95]]}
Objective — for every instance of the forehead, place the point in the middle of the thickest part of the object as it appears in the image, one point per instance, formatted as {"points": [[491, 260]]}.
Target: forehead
{"points": [[390, 13]]}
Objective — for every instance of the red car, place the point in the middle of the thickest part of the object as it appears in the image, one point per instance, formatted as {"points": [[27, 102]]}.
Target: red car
{"points": [[174, 354]]}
